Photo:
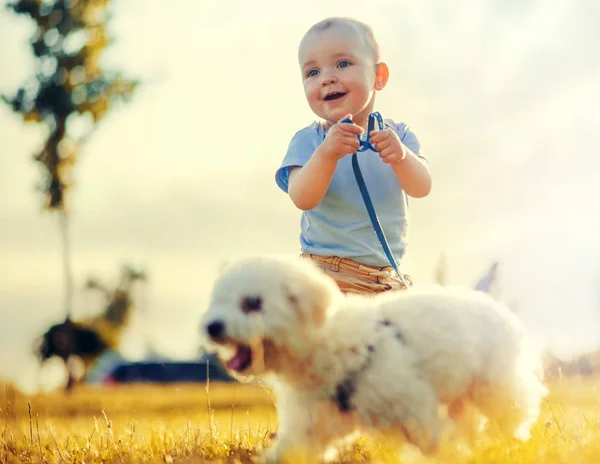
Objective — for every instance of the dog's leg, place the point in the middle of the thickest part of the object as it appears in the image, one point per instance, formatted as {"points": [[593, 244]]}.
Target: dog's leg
{"points": [[506, 415], [514, 405], [340, 446], [467, 420], [297, 421], [416, 414]]}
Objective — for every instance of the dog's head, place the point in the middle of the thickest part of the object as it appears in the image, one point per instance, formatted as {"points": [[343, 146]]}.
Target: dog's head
{"points": [[262, 306]]}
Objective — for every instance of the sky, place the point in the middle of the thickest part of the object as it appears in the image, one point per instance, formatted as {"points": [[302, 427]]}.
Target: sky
{"points": [[503, 96]]}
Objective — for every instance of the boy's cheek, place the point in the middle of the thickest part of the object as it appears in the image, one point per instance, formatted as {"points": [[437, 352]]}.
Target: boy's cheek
{"points": [[309, 91]]}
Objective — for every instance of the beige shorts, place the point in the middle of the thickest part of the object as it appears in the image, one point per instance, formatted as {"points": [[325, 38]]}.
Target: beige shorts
{"points": [[353, 277]]}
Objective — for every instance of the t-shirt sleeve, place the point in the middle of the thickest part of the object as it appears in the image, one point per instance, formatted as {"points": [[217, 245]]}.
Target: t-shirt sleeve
{"points": [[408, 138], [300, 149]]}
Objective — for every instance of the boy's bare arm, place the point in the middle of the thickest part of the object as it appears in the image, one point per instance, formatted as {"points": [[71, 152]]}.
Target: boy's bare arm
{"points": [[308, 184], [411, 171], [413, 174]]}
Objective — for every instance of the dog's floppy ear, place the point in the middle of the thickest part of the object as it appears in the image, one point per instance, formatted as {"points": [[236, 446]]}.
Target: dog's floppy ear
{"points": [[311, 293], [224, 266]]}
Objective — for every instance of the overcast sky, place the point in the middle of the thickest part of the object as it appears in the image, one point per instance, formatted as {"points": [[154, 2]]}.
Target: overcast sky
{"points": [[503, 96]]}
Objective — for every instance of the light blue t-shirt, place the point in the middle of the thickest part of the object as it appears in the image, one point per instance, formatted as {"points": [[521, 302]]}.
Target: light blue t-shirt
{"points": [[339, 225]]}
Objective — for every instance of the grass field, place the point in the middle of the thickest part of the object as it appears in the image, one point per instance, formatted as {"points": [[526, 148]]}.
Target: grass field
{"points": [[229, 423]]}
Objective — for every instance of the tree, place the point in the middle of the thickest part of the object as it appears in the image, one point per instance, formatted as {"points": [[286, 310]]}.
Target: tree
{"points": [[69, 84]]}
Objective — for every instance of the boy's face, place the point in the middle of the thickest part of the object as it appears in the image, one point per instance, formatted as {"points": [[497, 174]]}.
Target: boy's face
{"points": [[339, 73]]}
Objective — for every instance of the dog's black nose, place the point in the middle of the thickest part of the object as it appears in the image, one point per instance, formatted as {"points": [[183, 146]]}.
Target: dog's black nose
{"points": [[216, 330]]}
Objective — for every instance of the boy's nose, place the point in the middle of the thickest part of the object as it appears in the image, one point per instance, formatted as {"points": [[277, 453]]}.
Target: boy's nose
{"points": [[328, 79]]}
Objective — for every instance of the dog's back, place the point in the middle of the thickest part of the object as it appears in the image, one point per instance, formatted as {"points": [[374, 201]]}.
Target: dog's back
{"points": [[456, 334]]}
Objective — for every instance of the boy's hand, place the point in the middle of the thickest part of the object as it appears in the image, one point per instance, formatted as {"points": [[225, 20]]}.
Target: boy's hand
{"points": [[389, 146], [342, 139]]}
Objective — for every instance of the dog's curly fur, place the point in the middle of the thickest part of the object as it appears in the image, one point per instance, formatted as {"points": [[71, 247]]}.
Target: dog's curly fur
{"points": [[409, 363]]}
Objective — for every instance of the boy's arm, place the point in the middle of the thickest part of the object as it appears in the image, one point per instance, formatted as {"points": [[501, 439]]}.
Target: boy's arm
{"points": [[413, 174], [307, 185], [411, 170]]}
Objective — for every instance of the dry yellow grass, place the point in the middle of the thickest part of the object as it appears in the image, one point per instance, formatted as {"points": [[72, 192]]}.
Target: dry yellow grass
{"points": [[129, 424]]}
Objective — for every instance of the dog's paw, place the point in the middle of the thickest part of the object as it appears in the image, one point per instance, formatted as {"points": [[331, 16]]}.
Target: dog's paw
{"points": [[292, 455], [268, 456], [273, 456], [427, 441]]}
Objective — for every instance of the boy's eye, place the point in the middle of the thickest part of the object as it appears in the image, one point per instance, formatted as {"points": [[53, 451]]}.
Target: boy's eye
{"points": [[344, 64], [312, 73]]}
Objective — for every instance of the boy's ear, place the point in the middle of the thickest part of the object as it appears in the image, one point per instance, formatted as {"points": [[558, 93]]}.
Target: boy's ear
{"points": [[382, 74]]}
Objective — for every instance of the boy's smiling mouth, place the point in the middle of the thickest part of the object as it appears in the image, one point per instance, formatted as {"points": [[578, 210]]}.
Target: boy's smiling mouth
{"points": [[334, 96]]}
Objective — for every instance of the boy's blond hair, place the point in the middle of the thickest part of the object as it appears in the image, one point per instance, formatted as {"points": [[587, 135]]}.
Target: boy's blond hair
{"points": [[364, 29]]}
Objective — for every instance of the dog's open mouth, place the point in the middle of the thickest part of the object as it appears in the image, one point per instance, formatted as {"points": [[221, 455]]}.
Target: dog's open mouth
{"points": [[241, 360], [334, 96]]}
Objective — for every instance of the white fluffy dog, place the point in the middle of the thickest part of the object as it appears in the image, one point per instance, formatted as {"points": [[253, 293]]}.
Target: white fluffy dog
{"points": [[406, 363]]}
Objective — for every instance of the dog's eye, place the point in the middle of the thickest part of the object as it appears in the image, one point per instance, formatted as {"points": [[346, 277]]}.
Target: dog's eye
{"points": [[251, 303]]}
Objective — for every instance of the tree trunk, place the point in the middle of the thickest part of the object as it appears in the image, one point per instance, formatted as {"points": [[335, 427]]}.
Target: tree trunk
{"points": [[66, 252]]}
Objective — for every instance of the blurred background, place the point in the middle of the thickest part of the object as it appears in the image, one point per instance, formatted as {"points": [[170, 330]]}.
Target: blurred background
{"points": [[168, 120]]}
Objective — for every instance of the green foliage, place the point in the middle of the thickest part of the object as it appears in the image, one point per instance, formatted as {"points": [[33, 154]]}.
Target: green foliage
{"points": [[69, 40]]}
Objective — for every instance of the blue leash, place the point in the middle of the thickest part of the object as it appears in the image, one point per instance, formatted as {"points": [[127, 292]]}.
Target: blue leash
{"points": [[364, 146]]}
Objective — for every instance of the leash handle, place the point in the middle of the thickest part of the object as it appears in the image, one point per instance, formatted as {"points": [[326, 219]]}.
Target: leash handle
{"points": [[366, 145]]}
